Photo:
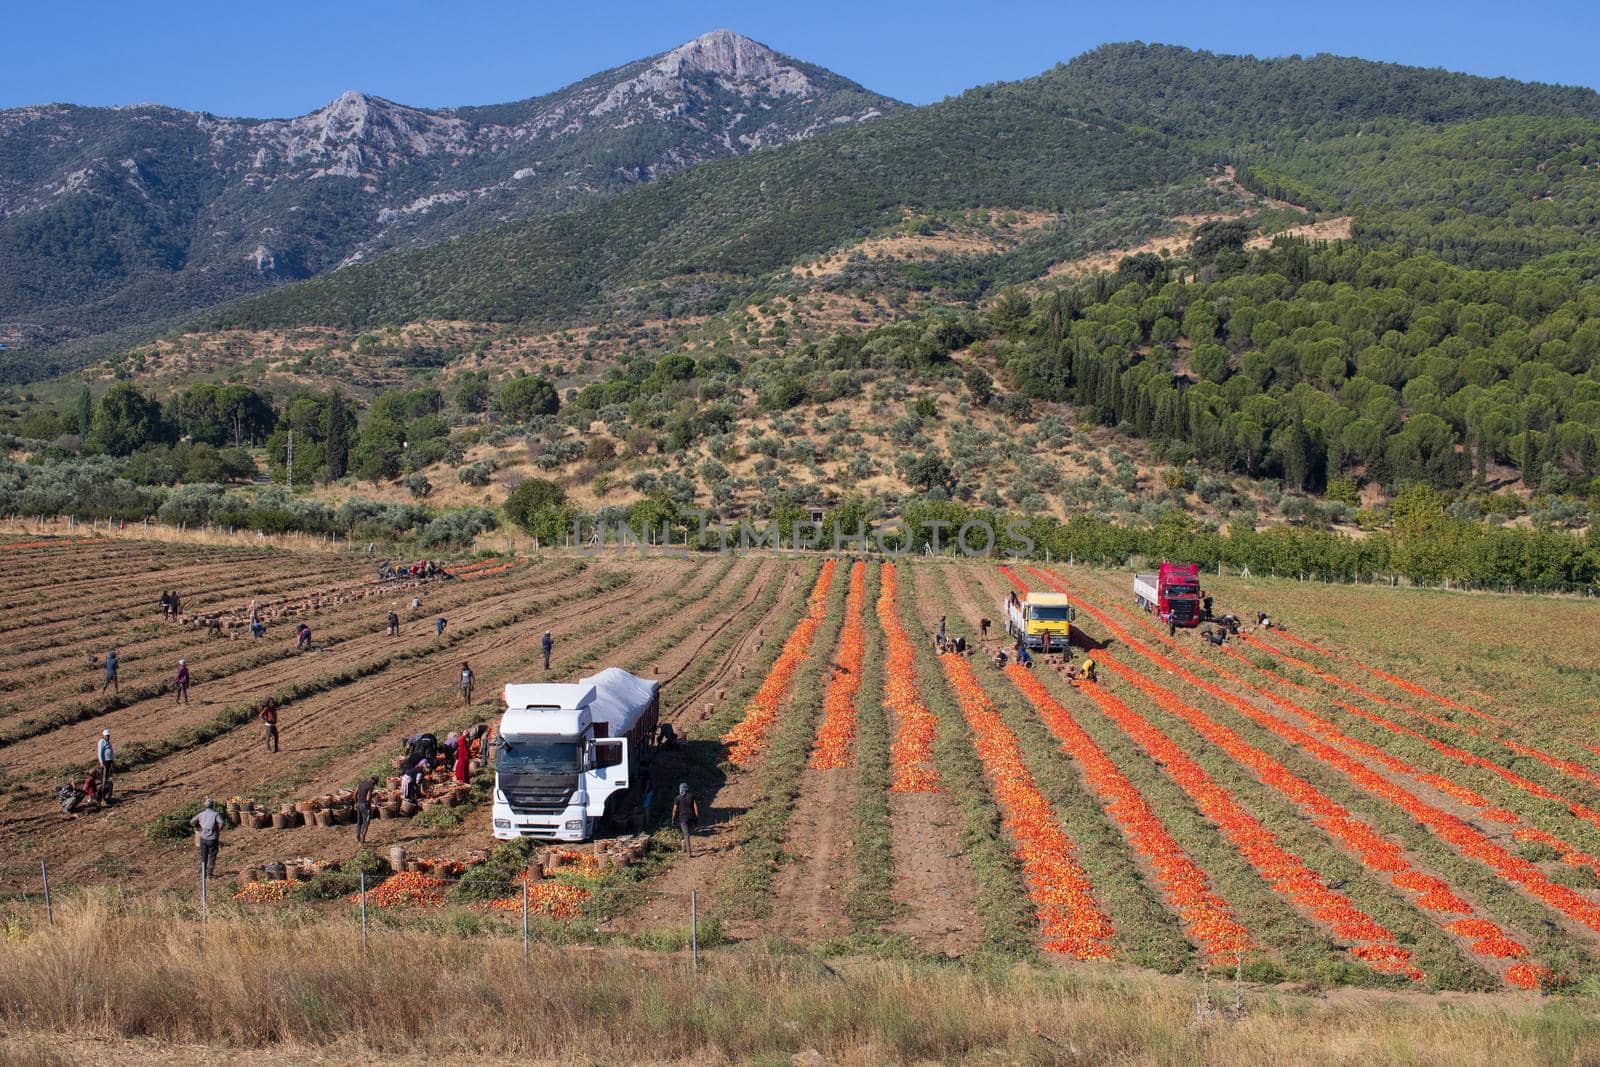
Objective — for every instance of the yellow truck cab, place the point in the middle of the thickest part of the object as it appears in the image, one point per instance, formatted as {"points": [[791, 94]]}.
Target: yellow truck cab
{"points": [[1031, 616]]}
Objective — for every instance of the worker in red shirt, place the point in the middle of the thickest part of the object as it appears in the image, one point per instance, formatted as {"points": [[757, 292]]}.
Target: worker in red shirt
{"points": [[269, 716]]}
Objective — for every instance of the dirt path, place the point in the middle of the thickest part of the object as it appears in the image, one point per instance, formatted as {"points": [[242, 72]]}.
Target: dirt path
{"points": [[808, 893]]}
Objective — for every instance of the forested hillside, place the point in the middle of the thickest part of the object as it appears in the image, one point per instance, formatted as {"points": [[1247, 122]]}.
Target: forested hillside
{"points": [[1489, 171], [1332, 366]]}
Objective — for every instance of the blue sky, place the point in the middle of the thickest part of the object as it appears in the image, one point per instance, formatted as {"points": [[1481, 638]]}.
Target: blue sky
{"points": [[286, 57]]}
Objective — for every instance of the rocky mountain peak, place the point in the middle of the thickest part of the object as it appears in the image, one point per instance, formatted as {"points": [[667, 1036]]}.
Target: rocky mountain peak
{"points": [[737, 60], [734, 62]]}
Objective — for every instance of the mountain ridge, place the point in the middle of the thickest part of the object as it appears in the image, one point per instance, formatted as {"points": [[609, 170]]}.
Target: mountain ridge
{"points": [[1071, 139], [100, 202]]}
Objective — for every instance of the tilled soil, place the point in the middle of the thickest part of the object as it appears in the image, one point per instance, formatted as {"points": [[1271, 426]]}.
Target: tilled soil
{"points": [[716, 838], [319, 729]]}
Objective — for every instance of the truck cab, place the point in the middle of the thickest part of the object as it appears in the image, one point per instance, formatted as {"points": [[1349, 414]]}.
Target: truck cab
{"points": [[569, 756], [1172, 594], [1030, 617]]}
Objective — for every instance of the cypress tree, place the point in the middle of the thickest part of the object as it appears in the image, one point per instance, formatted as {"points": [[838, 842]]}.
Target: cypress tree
{"points": [[338, 441]]}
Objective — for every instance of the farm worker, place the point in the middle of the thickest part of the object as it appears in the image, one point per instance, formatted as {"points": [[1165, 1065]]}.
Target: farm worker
{"points": [[1022, 655], [111, 673], [943, 637], [1044, 644], [394, 625], [68, 797], [106, 757], [1000, 659], [467, 679], [303, 643], [961, 645], [1205, 606], [438, 626], [269, 715], [685, 813], [209, 823], [463, 754], [408, 785], [546, 643], [90, 788], [1090, 672], [181, 683], [416, 602], [364, 808], [983, 628], [174, 603]]}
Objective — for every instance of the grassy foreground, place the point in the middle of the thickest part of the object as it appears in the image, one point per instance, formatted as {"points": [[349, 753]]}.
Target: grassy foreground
{"points": [[147, 981]]}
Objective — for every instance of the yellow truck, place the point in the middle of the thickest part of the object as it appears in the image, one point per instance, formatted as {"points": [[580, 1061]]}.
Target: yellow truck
{"points": [[1031, 616]]}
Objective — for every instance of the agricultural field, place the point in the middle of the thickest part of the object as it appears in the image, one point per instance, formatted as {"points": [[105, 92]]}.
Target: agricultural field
{"points": [[1396, 795]]}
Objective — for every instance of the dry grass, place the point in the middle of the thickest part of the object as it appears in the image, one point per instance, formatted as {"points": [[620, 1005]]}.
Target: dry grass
{"points": [[145, 981]]}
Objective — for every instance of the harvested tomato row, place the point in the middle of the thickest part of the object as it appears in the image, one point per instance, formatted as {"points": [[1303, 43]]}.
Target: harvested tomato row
{"points": [[1206, 916], [1071, 922], [1282, 869], [1568, 767], [748, 740], [911, 765], [1570, 854], [1467, 839], [836, 733]]}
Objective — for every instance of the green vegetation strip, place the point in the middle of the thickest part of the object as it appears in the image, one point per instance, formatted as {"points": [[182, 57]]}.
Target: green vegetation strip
{"points": [[868, 896]]}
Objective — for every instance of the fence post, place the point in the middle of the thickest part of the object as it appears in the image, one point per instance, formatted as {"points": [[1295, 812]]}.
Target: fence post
{"points": [[205, 909], [524, 917], [49, 912], [363, 913], [694, 932]]}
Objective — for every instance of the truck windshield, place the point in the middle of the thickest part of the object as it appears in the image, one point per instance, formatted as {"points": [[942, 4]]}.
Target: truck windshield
{"points": [[1183, 590], [538, 755], [1052, 614]]}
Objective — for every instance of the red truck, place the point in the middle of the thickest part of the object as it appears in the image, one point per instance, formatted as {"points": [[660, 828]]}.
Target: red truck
{"points": [[1173, 593]]}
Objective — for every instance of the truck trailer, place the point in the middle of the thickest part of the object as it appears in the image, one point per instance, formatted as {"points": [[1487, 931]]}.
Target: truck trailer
{"points": [[1033, 616], [1172, 593], [569, 756]]}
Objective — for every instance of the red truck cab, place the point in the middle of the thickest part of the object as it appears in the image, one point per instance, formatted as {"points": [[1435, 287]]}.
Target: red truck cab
{"points": [[1172, 593]]}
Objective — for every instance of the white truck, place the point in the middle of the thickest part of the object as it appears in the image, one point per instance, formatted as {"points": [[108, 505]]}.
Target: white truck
{"points": [[569, 756]]}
